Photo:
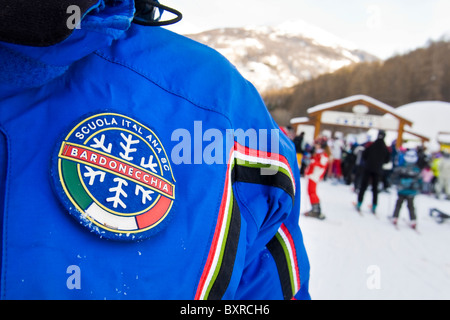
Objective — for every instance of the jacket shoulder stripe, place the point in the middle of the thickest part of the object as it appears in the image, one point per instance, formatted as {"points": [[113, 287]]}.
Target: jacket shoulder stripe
{"points": [[276, 178], [220, 262], [245, 165], [283, 252], [228, 253], [264, 160]]}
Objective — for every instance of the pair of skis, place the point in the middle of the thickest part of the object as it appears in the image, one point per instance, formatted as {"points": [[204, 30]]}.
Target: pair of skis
{"points": [[393, 221], [311, 214], [412, 226], [359, 210]]}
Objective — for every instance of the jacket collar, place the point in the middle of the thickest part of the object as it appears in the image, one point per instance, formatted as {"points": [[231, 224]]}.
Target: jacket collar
{"points": [[24, 67]]}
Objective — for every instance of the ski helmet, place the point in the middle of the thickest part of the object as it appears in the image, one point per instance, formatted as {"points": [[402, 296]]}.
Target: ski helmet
{"points": [[381, 134], [321, 141], [411, 157]]}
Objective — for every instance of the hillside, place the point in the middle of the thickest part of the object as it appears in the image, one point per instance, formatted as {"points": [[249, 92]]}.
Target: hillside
{"points": [[421, 75], [274, 58]]}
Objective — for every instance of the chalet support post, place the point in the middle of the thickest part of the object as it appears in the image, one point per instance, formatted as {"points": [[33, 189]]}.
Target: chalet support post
{"points": [[401, 129], [317, 125]]}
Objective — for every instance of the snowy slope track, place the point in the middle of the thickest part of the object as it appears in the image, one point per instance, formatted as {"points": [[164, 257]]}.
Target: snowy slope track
{"points": [[354, 257]]}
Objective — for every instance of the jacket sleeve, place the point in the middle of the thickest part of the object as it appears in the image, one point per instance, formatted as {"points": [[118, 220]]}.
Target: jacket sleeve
{"points": [[264, 175], [267, 190]]}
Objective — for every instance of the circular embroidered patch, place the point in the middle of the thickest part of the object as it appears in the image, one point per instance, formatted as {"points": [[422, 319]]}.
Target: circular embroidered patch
{"points": [[115, 177]]}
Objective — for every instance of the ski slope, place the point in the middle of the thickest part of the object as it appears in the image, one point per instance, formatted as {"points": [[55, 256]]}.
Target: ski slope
{"points": [[365, 257]]}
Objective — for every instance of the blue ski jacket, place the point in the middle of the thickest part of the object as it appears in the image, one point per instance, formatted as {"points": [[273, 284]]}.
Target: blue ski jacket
{"points": [[138, 164]]}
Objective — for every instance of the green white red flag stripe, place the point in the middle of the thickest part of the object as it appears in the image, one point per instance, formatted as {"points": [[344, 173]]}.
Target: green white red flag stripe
{"points": [[241, 157], [122, 168], [291, 257], [266, 158], [97, 214], [215, 256]]}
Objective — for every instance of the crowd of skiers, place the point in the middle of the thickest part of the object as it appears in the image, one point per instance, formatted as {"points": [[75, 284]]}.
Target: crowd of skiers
{"points": [[410, 171]]}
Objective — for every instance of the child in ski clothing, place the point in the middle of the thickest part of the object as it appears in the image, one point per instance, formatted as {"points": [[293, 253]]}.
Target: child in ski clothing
{"points": [[427, 177], [408, 182], [315, 173]]}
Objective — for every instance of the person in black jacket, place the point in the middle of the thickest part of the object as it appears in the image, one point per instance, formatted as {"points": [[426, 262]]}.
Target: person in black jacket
{"points": [[374, 157], [298, 142]]}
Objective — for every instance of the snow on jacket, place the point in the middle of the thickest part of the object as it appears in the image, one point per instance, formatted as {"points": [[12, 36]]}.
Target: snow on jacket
{"points": [[114, 183]]}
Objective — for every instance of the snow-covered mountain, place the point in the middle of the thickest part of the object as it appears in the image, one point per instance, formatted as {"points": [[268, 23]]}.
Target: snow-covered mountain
{"points": [[282, 56]]}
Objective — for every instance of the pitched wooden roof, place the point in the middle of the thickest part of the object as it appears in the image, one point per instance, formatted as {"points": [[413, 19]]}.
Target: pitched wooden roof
{"points": [[356, 100]]}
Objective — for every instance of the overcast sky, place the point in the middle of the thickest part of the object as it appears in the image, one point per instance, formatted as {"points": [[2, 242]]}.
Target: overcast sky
{"points": [[381, 27]]}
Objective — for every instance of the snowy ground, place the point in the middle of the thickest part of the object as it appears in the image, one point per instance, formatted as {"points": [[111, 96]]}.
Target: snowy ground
{"points": [[364, 257]]}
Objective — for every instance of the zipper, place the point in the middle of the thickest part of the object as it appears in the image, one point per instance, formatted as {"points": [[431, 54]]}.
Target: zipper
{"points": [[3, 175]]}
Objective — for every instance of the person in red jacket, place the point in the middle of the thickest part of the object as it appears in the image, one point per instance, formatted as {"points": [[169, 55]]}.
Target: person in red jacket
{"points": [[315, 173]]}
